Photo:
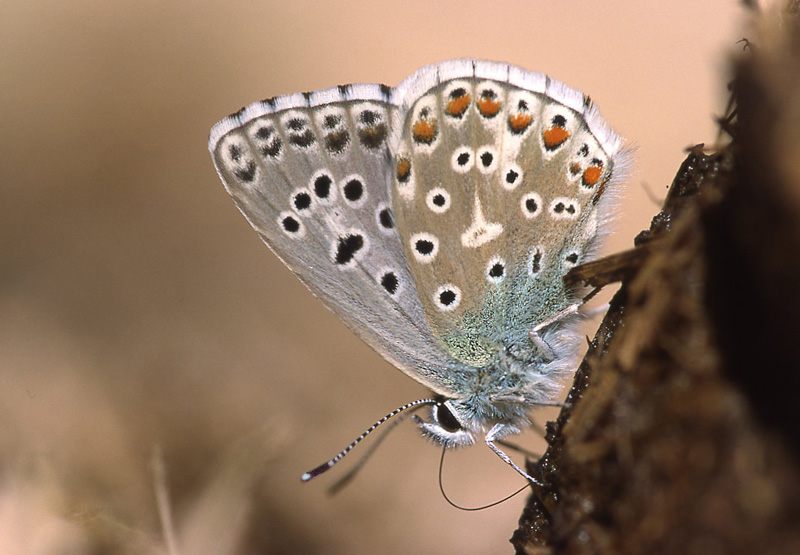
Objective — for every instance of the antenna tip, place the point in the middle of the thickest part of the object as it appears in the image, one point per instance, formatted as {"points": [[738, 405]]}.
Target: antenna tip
{"points": [[305, 477]]}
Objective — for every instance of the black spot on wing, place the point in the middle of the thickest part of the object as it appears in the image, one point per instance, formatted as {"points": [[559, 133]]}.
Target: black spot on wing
{"points": [[322, 186], [424, 246], [369, 117], [385, 218], [353, 190], [390, 282], [447, 297], [271, 143], [272, 149], [572, 257], [511, 176], [536, 262], [374, 130], [337, 141], [347, 248], [265, 132], [296, 124], [331, 121], [248, 173], [303, 140], [302, 201], [290, 224]]}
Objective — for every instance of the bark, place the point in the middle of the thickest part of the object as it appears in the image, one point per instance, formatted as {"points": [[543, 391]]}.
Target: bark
{"points": [[680, 432]]}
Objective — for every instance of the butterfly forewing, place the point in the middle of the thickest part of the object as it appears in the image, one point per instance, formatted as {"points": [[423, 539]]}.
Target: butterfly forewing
{"points": [[496, 193], [313, 181]]}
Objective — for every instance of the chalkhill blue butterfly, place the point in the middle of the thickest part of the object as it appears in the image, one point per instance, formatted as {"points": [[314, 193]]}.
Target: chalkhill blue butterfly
{"points": [[437, 219]]}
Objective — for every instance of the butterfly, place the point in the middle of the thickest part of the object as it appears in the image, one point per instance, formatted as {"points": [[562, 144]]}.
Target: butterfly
{"points": [[437, 219]]}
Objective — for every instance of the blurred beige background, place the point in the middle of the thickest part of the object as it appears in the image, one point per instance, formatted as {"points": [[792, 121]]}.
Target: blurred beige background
{"points": [[139, 309]]}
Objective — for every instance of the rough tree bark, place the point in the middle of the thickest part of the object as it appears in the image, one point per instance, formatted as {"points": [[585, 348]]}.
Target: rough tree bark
{"points": [[680, 433]]}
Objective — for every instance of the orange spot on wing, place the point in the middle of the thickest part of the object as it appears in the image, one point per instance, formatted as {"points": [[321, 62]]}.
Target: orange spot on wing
{"points": [[519, 122], [488, 107], [403, 169], [591, 176], [457, 106], [424, 131], [554, 137]]}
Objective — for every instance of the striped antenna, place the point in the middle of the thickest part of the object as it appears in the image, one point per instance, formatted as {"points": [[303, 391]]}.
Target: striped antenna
{"points": [[324, 467]]}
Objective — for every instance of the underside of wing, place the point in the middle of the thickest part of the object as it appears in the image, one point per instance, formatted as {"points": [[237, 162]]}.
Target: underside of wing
{"points": [[500, 183], [311, 173]]}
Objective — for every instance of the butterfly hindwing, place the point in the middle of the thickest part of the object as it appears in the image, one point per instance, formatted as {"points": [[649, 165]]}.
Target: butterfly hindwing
{"points": [[498, 186], [311, 174]]}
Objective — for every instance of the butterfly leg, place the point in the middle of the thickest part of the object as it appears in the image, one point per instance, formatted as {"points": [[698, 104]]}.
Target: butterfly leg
{"points": [[536, 337], [518, 448], [570, 310], [597, 311], [498, 431]]}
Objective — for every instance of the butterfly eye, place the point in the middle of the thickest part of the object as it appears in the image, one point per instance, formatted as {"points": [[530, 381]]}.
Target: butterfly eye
{"points": [[445, 418]]}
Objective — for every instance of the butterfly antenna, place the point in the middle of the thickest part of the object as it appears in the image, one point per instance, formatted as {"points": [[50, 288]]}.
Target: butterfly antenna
{"points": [[457, 506], [324, 467], [343, 481]]}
